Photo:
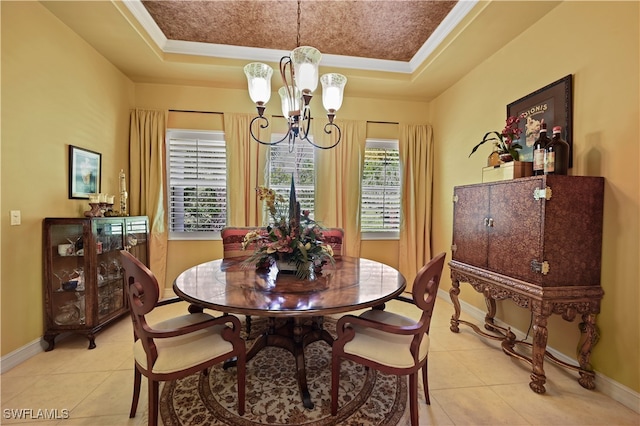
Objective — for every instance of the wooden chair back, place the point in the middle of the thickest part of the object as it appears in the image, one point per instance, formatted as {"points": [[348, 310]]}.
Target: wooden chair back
{"points": [[334, 237], [232, 238]]}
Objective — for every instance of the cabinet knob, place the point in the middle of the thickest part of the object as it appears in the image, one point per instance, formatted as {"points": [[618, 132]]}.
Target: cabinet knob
{"points": [[488, 221]]}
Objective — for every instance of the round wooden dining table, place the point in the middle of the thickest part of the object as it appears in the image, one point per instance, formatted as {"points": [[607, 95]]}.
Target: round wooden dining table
{"points": [[228, 285]]}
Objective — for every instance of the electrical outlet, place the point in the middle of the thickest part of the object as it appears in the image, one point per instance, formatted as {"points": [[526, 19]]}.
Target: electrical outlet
{"points": [[15, 217]]}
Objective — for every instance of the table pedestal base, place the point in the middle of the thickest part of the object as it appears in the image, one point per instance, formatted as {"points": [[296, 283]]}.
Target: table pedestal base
{"points": [[294, 335]]}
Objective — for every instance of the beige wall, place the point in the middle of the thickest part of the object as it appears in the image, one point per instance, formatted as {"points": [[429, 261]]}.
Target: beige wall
{"points": [[597, 42], [56, 91]]}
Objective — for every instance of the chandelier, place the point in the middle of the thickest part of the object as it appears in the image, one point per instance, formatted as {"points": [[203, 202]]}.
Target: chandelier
{"points": [[299, 72]]}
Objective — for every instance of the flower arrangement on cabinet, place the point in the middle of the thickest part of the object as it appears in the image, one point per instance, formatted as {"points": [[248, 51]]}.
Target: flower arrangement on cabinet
{"points": [[292, 237], [506, 142]]}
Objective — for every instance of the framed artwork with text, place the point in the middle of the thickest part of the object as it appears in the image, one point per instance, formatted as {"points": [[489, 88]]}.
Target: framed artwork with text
{"points": [[554, 104]]}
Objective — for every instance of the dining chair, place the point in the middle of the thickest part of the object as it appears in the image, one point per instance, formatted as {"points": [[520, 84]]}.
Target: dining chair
{"points": [[232, 238], [388, 342], [334, 237], [177, 347]]}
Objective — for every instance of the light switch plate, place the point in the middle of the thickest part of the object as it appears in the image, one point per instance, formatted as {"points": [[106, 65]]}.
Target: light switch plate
{"points": [[15, 217]]}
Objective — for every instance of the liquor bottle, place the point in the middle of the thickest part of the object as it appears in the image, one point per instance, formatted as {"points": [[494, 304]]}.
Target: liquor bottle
{"points": [[538, 149], [556, 157], [494, 158]]}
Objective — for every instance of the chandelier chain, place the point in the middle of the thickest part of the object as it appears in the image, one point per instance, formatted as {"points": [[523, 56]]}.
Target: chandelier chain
{"points": [[298, 32]]}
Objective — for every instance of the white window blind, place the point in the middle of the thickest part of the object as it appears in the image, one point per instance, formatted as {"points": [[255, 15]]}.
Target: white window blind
{"points": [[381, 190], [299, 163], [197, 176]]}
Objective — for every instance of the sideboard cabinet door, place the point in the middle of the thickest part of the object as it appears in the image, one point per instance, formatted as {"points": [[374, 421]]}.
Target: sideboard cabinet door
{"points": [[545, 230]]}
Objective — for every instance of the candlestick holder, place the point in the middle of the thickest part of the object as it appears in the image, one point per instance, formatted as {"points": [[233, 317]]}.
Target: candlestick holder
{"points": [[95, 211], [123, 203]]}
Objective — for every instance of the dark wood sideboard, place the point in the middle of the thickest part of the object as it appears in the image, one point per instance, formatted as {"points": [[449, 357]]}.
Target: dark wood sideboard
{"points": [[538, 242]]}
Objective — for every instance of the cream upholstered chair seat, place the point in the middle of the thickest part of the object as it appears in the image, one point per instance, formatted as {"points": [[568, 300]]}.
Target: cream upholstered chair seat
{"points": [[388, 342], [184, 351], [395, 352]]}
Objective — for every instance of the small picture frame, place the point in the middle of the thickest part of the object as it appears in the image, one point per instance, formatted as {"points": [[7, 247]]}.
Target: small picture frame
{"points": [[554, 104], [85, 172]]}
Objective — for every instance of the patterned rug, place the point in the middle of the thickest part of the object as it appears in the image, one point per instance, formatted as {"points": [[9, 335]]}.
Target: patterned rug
{"points": [[366, 397]]}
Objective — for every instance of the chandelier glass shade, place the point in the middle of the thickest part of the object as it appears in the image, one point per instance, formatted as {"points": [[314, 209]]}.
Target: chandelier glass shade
{"points": [[299, 72]]}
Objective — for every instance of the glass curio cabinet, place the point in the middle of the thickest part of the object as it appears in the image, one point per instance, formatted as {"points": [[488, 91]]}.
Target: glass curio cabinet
{"points": [[83, 281]]}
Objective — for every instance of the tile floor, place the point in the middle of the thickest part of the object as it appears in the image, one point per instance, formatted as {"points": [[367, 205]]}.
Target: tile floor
{"points": [[471, 382]]}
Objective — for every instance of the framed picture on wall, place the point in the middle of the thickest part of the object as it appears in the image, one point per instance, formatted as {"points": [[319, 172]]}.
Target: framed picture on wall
{"points": [[85, 170], [554, 104]]}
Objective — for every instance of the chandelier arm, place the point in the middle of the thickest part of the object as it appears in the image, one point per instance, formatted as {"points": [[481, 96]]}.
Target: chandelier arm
{"points": [[327, 130], [264, 126], [305, 124], [284, 62], [292, 141]]}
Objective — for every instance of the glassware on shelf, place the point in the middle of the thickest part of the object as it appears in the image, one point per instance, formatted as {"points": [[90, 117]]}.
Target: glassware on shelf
{"points": [[79, 278], [68, 314], [63, 277], [77, 244], [80, 305], [114, 269], [118, 298]]}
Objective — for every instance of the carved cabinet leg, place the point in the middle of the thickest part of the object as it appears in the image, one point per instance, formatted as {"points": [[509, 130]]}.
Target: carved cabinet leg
{"points": [[491, 313], [50, 338], [92, 341], [540, 335], [453, 294], [588, 338]]}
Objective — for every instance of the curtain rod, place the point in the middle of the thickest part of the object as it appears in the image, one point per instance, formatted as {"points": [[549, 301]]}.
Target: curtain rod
{"points": [[197, 112], [382, 122], [210, 112]]}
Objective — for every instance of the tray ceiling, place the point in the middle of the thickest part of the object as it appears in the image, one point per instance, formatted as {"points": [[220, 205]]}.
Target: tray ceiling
{"points": [[401, 49], [389, 30]]}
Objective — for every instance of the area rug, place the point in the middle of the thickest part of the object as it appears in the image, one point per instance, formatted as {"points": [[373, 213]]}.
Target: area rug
{"points": [[366, 397]]}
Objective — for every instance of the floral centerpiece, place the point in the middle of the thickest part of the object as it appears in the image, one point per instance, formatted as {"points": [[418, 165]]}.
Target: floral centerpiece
{"points": [[292, 238], [505, 141]]}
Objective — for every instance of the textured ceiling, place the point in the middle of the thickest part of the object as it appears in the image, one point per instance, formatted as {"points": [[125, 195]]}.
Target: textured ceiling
{"points": [[127, 36], [392, 30]]}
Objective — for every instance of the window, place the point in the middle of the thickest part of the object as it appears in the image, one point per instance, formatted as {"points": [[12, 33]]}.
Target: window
{"points": [[380, 210], [299, 163], [197, 189]]}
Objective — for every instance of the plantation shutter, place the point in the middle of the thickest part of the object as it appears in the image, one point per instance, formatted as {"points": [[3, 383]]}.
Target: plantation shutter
{"points": [[197, 181], [380, 211]]}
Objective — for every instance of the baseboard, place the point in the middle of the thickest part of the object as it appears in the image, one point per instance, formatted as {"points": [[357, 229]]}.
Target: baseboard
{"points": [[20, 355], [616, 391]]}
